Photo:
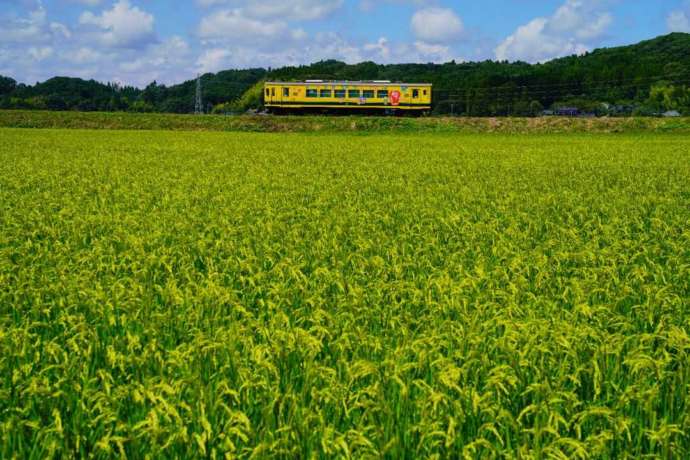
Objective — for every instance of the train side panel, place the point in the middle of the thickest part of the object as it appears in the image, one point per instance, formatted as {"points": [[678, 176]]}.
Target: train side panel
{"points": [[344, 96]]}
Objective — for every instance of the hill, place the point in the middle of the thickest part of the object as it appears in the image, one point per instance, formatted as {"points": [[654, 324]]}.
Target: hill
{"points": [[644, 78]]}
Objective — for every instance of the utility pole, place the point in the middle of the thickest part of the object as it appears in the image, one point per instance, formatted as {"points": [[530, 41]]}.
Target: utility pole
{"points": [[198, 105]]}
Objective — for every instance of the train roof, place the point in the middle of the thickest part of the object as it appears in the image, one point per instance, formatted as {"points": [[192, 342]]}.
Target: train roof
{"points": [[346, 83]]}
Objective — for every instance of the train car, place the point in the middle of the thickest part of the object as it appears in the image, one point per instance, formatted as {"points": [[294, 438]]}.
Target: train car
{"points": [[348, 96]]}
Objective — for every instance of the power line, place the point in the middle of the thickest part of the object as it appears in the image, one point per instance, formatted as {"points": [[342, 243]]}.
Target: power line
{"points": [[617, 82], [499, 91]]}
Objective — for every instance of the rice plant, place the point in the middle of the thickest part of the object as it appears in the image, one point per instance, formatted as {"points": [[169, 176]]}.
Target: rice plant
{"points": [[217, 295]]}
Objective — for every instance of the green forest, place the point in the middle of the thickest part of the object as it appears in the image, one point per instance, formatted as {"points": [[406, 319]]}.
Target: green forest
{"points": [[648, 78]]}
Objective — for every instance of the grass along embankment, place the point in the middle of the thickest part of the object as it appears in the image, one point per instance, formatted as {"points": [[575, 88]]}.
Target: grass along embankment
{"points": [[335, 124], [241, 295]]}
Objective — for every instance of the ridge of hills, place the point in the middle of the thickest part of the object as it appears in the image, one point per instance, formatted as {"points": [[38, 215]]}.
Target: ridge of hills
{"points": [[645, 78]]}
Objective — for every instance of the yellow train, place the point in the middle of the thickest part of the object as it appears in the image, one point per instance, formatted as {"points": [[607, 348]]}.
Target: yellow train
{"points": [[350, 96]]}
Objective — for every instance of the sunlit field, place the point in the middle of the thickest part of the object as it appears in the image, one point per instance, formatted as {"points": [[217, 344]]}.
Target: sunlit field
{"points": [[402, 296]]}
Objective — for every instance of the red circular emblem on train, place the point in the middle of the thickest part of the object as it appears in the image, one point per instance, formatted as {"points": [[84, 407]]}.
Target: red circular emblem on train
{"points": [[395, 97]]}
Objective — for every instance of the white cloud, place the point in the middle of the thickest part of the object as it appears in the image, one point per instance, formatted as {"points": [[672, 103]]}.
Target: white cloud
{"points": [[116, 40], [213, 60], [60, 30], [87, 2], [284, 10], [574, 28], [163, 55], [532, 42], [580, 18], [216, 59], [384, 52], [436, 25], [169, 61], [116, 44], [329, 45], [325, 45], [40, 53], [32, 29], [368, 5], [293, 10], [245, 36], [83, 55], [678, 21], [234, 27], [293, 51], [433, 53], [122, 26], [380, 48]]}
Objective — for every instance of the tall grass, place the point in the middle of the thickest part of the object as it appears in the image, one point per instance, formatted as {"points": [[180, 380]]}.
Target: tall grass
{"points": [[338, 124], [211, 295]]}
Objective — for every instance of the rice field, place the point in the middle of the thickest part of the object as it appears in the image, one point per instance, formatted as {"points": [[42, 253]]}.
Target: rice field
{"points": [[239, 295]]}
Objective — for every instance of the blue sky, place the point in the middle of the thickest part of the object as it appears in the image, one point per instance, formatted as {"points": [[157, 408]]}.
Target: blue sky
{"points": [[138, 41]]}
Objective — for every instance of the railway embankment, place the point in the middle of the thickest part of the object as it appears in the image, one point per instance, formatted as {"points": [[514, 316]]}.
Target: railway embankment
{"points": [[268, 123]]}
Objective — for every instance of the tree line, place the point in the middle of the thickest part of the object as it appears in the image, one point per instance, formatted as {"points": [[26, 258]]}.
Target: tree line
{"points": [[647, 78]]}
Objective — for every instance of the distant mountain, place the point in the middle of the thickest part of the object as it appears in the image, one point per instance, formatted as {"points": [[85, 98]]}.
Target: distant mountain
{"points": [[63, 93], [648, 77]]}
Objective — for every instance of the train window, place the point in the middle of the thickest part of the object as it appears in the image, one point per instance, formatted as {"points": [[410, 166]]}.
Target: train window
{"points": [[382, 93], [326, 93], [312, 93], [286, 92], [425, 92], [415, 93], [273, 92], [353, 93], [367, 93], [340, 93], [268, 92]]}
